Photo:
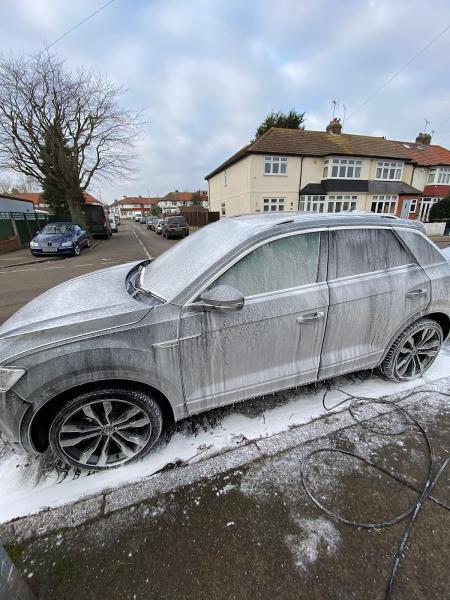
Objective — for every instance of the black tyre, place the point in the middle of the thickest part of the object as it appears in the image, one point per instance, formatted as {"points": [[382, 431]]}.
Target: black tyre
{"points": [[76, 250], [106, 428], [414, 351]]}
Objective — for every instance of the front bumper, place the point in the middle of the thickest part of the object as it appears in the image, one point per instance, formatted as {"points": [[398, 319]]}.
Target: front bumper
{"points": [[59, 251], [12, 412]]}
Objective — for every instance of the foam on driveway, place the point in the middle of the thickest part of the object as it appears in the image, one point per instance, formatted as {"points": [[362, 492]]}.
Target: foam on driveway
{"points": [[29, 485]]}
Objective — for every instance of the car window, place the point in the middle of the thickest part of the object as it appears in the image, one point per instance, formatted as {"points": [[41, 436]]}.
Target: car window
{"points": [[359, 251], [423, 249], [57, 229], [282, 264]]}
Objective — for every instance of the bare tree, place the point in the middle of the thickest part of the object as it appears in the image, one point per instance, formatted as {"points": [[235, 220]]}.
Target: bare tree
{"points": [[93, 136], [12, 185]]}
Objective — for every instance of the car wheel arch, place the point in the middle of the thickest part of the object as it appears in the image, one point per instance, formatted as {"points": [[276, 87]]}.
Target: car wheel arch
{"points": [[36, 425], [441, 318]]}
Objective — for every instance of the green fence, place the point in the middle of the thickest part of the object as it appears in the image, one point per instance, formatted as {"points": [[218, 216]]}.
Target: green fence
{"points": [[23, 225]]}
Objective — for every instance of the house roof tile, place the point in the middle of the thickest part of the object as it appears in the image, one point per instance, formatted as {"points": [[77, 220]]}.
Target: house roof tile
{"points": [[427, 156], [299, 142], [35, 197], [136, 200]]}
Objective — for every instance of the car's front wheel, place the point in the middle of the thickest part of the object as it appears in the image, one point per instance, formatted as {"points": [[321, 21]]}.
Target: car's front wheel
{"points": [[76, 250], [105, 428], [414, 351]]}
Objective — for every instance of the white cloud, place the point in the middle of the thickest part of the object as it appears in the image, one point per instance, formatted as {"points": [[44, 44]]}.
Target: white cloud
{"points": [[207, 73]]}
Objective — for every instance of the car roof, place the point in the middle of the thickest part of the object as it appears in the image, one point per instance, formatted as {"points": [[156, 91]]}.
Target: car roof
{"points": [[264, 221]]}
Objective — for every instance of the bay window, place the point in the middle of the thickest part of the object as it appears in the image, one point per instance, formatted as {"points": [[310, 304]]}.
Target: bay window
{"points": [[439, 176], [384, 204], [329, 204]]}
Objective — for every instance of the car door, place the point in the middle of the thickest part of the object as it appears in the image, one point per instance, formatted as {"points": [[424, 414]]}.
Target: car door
{"points": [[375, 287], [274, 342]]}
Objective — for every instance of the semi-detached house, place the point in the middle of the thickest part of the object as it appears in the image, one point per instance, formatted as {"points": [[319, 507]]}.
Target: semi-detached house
{"points": [[329, 171]]}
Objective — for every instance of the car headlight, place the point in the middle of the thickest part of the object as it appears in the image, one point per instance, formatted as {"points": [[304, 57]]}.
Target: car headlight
{"points": [[9, 376], [34, 244], [67, 244]]}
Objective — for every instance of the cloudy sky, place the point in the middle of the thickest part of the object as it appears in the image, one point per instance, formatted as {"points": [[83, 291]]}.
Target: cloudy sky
{"points": [[206, 72]]}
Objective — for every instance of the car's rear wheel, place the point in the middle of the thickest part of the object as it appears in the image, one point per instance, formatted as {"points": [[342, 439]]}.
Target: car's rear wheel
{"points": [[106, 428], [414, 351]]}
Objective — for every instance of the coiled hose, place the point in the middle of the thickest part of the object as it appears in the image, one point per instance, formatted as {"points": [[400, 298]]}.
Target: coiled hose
{"points": [[433, 471]]}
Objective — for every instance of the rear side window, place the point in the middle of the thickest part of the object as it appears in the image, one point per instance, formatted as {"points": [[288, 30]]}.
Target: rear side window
{"points": [[424, 250], [359, 251], [285, 263]]}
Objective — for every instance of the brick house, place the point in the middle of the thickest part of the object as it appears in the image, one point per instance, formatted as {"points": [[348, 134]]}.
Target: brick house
{"points": [[35, 197], [431, 175], [173, 201], [129, 206]]}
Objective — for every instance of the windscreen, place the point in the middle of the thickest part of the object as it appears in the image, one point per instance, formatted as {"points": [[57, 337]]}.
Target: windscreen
{"points": [[57, 229], [170, 273]]}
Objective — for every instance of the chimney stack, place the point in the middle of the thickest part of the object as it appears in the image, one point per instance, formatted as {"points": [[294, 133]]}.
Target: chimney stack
{"points": [[334, 127], [424, 138]]}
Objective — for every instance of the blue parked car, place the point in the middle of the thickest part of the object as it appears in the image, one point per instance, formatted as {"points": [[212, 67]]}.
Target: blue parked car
{"points": [[59, 238]]}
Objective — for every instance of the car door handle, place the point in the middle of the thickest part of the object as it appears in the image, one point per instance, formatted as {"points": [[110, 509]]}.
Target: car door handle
{"points": [[416, 293], [309, 318]]}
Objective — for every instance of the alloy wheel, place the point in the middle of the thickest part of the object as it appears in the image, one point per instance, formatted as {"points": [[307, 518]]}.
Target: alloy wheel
{"points": [[77, 250], [417, 352], [104, 433]]}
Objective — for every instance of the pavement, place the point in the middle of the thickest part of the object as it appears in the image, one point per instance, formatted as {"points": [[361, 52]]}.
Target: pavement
{"points": [[23, 277], [242, 526]]}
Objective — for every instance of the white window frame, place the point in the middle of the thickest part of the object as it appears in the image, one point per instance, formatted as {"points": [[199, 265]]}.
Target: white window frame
{"points": [[342, 168], [344, 202], [273, 204], [413, 206], [389, 170], [281, 164], [384, 201], [223, 210], [225, 178], [328, 204], [439, 176], [425, 206], [312, 203]]}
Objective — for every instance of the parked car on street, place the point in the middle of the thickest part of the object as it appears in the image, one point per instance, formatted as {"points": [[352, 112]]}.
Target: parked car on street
{"points": [[159, 226], [247, 306], [143, 220], [117, 218], [112, 223], [97, 220], [151, 222], [175, 227], [59, 238], [137, 216]]}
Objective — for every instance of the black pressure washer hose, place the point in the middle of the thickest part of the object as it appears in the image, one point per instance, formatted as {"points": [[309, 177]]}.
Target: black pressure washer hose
{"points": [[433, 474]]}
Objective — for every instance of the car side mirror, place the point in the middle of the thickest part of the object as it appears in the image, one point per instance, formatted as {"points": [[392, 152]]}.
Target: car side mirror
{"points": [[222, 298]]}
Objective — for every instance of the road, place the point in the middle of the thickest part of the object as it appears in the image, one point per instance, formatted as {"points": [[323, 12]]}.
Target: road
{"points": [[133, 241]]}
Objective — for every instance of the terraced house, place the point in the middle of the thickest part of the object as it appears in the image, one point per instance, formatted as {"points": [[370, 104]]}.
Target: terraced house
{"points": [[329, 171]]}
